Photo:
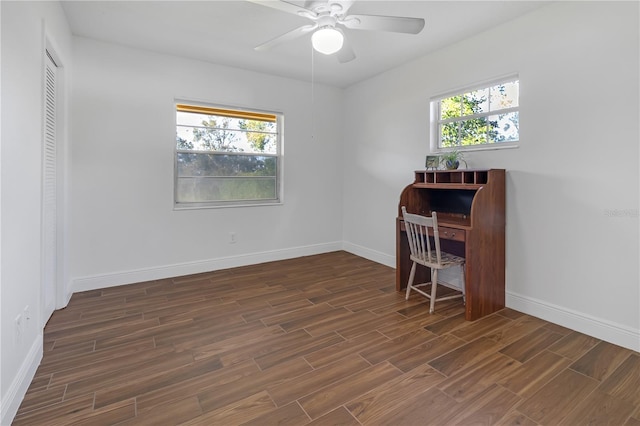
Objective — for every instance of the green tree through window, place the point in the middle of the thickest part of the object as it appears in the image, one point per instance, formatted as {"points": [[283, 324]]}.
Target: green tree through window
{"points": [[482, 116]]}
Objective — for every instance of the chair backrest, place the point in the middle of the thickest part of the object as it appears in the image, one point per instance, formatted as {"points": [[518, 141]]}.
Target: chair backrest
{"points": [[417, 227]]}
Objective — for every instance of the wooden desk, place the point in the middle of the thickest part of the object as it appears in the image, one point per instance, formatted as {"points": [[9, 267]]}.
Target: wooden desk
{"points": [[471, 220]]}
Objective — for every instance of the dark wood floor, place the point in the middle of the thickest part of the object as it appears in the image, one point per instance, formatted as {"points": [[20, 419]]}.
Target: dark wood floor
{"points": [[321, 340]]}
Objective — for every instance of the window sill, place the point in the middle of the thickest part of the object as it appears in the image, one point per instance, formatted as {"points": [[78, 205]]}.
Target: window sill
{"points": [[495, 147], [180, 207]]}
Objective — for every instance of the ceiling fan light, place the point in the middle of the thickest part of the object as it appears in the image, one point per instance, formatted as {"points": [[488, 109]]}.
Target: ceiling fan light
{"points": [[327, 40]]}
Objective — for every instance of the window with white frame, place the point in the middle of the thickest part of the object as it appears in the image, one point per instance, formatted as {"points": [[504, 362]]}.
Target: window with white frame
{"points": [[486, 115], [226, 157]]}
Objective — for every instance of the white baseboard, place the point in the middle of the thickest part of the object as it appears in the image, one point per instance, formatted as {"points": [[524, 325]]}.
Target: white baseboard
{"points": [[148, 274], [20, 384], [369, 254], [599, 328]]}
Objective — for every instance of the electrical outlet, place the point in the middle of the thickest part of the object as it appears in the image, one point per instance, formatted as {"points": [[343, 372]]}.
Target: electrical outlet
{"points": [[232, 238], [26, 317]]}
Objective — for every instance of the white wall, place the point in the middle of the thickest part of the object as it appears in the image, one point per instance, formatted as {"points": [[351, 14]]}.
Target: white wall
{"points": [[569, 260], [123, 226], [24, 26]]}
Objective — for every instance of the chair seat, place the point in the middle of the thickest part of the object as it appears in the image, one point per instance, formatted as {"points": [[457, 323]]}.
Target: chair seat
{"points": [[446, 260]]}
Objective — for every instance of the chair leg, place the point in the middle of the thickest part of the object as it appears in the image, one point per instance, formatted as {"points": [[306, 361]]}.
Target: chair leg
{"points": [[434, 285], [412, 275], [464, 285]]}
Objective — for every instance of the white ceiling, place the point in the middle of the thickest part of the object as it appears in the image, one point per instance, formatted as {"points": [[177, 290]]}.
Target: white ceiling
{"points": [[225, 32]]}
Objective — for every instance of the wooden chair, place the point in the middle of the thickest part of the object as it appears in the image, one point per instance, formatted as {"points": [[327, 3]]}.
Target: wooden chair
{"points": [[426, 251]]}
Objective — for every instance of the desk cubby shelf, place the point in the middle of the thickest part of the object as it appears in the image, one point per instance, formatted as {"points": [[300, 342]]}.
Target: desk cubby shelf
{"points": [[470, 179]]}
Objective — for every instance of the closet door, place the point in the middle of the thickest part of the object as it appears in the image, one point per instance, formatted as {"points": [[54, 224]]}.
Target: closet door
{"points": [[49, 202]]}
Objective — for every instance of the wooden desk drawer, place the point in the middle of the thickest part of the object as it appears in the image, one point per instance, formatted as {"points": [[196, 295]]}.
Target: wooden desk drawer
{"points": [[445, 233], [451, 233]]}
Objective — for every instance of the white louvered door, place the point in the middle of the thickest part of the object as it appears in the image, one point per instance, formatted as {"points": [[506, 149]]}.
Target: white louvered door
{"points": [[49, 204]]}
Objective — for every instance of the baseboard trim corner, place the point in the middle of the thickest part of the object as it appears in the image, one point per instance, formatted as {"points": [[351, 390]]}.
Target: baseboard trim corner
{"points": [[367, 253]]}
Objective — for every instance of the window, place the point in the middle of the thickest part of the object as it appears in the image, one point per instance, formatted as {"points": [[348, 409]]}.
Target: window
{"points": [[487, 115], [226, 157]]}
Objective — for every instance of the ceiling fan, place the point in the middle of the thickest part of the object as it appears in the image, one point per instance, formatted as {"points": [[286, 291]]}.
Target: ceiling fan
{"points": [[327, 37]]}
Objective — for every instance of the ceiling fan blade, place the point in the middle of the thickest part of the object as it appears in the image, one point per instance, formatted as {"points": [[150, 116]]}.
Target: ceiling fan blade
{"points": [[396, 24], [346, 54], [293, 34], [346, 5], [285, 6]]}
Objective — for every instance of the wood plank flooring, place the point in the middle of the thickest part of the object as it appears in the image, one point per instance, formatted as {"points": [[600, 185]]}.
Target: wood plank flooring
{"points": [[318, 340]]}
